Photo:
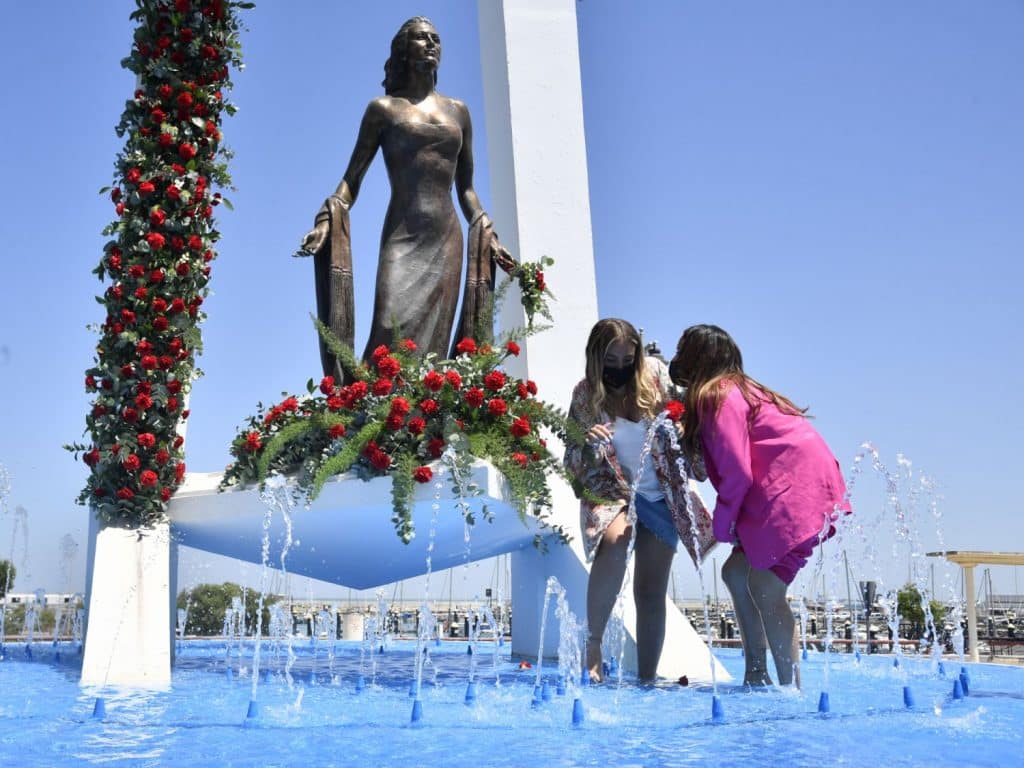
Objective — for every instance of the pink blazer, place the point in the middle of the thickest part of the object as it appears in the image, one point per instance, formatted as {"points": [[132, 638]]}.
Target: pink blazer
{"points": [[776, 479]]}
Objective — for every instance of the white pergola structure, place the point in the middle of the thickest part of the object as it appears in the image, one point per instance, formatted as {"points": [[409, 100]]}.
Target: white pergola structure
{"points": [[967, 560], [540, 201]]}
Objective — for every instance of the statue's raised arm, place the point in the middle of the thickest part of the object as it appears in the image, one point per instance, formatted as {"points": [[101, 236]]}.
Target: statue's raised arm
{"points": [[426, 140]]}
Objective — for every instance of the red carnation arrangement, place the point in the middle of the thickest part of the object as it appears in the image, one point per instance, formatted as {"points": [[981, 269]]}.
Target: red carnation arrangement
{"points": [[164, 233]]}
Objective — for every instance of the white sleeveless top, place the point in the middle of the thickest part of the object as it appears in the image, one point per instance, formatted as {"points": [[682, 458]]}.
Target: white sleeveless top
{"points": [[628, 440]]}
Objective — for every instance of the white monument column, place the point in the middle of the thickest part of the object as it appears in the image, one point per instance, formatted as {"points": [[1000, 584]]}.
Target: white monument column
{"points": [[541, 206]]}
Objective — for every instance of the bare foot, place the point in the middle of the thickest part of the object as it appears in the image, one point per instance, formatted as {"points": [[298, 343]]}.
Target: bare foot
{"points": [[595, 662]]}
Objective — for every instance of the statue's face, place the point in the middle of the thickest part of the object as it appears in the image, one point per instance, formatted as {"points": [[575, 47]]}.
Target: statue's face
{"points": [[424, 47]]}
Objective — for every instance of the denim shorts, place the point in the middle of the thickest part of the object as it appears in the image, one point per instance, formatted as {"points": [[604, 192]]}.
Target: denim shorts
{"points": [[655, 517]]}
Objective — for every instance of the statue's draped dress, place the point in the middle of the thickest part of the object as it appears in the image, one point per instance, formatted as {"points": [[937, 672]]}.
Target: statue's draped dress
{"points": [[420, 267]]}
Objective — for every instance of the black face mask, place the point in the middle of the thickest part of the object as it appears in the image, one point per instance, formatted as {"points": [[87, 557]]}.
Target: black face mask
{"points": [[617, 377]]}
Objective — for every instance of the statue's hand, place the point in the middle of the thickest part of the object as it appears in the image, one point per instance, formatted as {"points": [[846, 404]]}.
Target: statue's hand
{"points": [[502, 256], [314, 239]]}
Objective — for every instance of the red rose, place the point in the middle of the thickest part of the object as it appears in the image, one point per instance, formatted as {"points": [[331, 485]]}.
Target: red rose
{"points": [[174, 386], [115, 449], [179, 472], [512, 348], [531, 387], [429, 407], [130, 415], [177, 306], [208, 256], [92, 458], [453, 378], [675, 410], [149, 362], [435, 447], [327, 385], [114, 260], [541, 285], [520, 427], [137, 270], [178, 441], [148, 478], [394, 422], [115, 194], [379, 460], [389, 367], [336, 431], [177, 243], [522, 391], [408, 345], [140, 293], [382, 386], [156, 276], [90, 383], [497, 407], [146, 439], [99, 410], [172, 192], [99, 493], [127, 371], [422, 474], [252, 441], [147, 188], [142, 402], [165, 495], [494, 380], [119, 209], [358, 390], [186, 151], [156, 240], [475, 397], [416, 425], [466, 347], [161, 323], [125, 494], [164, 91], [162, 457], [158, 115], [519, 458], [157, 217], [127, 316], [131, 462], [172, 404], [335, 403], [184, 100], [159, 305], [400, 406], [290, 403], [178, 169], [379, 352], [133, 176], [144, 388], [433, 381]]}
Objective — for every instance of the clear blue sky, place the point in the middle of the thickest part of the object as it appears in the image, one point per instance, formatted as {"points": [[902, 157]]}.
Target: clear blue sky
{"points": [[839, 185]]}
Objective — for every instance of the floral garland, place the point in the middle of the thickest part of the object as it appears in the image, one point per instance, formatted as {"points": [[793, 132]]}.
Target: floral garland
{"points": [[399, 414], [158, 256], [533, 289]]}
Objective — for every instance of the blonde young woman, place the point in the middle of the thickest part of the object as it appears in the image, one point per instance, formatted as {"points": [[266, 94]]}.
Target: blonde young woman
{"points": [[622, 392]]}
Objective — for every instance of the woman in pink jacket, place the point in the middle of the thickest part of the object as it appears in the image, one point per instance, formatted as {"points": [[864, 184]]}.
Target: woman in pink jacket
{"points": [[779, 490]]}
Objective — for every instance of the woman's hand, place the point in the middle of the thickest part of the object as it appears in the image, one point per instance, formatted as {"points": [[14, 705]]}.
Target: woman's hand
{"points": [[599, 433], [315, 239]]}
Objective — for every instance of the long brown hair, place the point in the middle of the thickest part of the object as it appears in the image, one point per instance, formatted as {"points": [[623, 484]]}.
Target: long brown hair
{"points": [[640, 389], [706, 358]]}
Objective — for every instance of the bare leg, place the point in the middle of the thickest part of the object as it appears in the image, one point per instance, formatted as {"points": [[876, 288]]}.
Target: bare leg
{"points": [[653, 561], [735, 574], [769, 593], [606, 574]]}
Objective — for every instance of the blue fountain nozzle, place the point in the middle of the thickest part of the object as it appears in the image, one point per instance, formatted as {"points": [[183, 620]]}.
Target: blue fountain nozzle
{"points": [[965, 681], [501, 642], [538, 698], [896, 662], [856, 655], [942, 669], [469, 649], [229, 673], [908, 697], [717, 711], [613, 665], [360, 684], [824, 705], [264, 675], [577, 712], [28, 650], [99, 709], [560, 686], [414, 689], [545, 691], [803, 654], [417, 711], [584, 678], [254, 710], [470, 693], [958, 689]]}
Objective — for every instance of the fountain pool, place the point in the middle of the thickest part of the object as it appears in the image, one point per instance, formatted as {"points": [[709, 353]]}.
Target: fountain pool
{"points": [[46, 719]]}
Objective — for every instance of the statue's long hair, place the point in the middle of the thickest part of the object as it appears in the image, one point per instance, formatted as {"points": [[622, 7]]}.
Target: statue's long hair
{"points": [[640, 389], [396, 68]]}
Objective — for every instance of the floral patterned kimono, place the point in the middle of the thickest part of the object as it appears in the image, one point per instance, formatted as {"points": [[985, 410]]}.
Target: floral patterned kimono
{"points": [[597, 470]]}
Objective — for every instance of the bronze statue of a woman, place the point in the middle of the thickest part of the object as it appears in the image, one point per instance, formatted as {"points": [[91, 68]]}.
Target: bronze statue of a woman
{"points": [[426, 139]]}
